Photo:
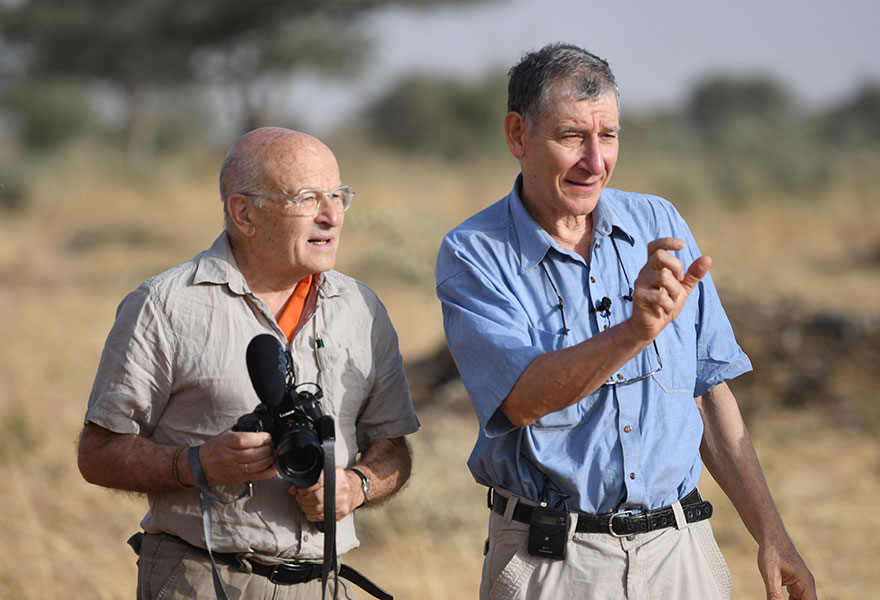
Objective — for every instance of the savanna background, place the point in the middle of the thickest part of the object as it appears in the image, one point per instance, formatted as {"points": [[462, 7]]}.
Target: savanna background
{"points": [[114, 120]]}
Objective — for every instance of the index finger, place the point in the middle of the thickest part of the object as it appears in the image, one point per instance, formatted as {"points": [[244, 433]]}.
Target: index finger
{"points": [[247, 439], [666, 243]]}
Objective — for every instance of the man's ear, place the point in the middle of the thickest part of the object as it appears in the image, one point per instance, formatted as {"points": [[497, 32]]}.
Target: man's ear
{"points": [[514, 130], [241, 213]]}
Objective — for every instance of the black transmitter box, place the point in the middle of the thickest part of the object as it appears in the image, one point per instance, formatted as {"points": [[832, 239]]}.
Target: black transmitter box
{"points": [[548, 532]]}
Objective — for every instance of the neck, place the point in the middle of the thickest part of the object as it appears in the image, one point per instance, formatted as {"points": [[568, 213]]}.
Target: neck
{"points": [[572, 232], [273, 289]]}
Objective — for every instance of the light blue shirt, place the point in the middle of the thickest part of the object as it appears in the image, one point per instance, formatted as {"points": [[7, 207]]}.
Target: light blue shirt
{"points": [[628, 446]]}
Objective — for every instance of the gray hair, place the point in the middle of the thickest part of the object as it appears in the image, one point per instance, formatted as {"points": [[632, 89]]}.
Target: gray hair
{"points": [[531, 81], [242, 170]]}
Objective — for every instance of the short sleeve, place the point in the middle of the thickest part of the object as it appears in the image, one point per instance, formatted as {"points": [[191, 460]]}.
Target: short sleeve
{"points": [[134, 377], [488, 335], [388, 411]]}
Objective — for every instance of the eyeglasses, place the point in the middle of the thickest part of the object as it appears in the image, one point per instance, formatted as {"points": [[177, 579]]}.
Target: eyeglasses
{"points": [[308, 202], [620, 380], [603, 308]]}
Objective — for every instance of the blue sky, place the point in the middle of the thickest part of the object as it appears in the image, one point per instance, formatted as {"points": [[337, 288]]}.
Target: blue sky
{"points": [[820, 49]]}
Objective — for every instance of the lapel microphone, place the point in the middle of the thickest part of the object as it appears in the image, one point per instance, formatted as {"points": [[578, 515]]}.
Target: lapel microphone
{"points": [[603, 307]]}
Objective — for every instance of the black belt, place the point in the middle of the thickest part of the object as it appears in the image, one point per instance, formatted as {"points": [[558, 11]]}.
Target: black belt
{"points": [[290, 573], [618, 524]]}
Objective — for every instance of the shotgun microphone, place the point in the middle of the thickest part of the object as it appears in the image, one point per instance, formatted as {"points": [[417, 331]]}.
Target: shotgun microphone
{"points": [[267, 367]]}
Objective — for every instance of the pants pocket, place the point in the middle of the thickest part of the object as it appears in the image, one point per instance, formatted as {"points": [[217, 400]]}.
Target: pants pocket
{"points": [[714, 559], [160, 562], [513, 579]]}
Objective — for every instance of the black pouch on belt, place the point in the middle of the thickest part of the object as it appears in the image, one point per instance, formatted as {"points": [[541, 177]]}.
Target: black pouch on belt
{"points": [[548, 532]]}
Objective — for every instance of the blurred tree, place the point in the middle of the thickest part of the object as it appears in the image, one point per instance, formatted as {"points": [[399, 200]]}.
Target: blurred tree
{"points": [[137, 47], [754, 138], [47, 113], [855, 122], [440, 116], [720, 106]]}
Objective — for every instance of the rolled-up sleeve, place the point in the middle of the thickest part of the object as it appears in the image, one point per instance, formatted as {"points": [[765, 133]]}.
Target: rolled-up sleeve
{"points": [[134, 377], [488, 335]]}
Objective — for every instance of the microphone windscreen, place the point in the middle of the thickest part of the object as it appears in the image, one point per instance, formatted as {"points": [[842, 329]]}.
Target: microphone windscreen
{"points": [[267, 367]]}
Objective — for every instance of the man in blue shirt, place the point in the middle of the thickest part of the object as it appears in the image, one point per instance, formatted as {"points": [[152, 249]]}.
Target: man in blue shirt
{"points": [[595, 351]]}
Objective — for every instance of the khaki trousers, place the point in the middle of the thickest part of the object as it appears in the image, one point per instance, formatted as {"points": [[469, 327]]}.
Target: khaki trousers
{"points": [[668, 564], [172, 570]]}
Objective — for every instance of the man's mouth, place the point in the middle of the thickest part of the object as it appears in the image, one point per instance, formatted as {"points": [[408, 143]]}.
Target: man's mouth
{"points": [[320, 241]]}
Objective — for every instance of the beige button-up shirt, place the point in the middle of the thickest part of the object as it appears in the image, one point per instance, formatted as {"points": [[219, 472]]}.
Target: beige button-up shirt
{"points": [[173, 370]]}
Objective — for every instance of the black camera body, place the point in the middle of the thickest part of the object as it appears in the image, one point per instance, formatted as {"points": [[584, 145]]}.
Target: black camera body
{"points": [[295, 427], [291, 414]]}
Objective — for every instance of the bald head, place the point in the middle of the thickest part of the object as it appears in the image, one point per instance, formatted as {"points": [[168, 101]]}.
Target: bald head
{"points": [[270, 160]]}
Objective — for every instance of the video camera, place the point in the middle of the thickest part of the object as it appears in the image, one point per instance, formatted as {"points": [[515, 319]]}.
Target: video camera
{"points": [[290, 413]]}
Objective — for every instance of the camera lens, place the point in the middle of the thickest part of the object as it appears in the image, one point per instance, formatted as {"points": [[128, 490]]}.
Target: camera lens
{"points": [[300, 458]]}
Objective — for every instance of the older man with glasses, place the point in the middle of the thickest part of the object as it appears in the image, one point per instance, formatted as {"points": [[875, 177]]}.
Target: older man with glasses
{"points": [[176, 375], [595, 351]]}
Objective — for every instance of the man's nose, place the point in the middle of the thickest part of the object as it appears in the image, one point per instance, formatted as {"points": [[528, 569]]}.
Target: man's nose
{"points": [[329, 211], [591, 158]]}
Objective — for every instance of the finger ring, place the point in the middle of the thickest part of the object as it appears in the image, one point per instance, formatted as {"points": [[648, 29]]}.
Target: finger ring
{"points": [[246, 468]]}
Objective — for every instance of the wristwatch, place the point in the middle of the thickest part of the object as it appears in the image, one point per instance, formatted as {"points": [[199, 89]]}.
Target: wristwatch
{"points": [[365, 484]]}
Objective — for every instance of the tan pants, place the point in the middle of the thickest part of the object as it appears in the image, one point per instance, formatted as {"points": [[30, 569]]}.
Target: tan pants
{"points": [[170, 569], [669, 564]]}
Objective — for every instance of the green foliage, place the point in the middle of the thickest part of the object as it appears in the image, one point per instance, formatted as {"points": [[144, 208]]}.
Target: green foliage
{"points": [[754, 140], [137, 47], [439, 116], [13, 195], [856, 122], [720, 106], [46, 113]]}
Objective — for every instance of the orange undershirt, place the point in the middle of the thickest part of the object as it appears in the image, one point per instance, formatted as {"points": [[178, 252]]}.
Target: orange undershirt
{"points": [[290, 316]]}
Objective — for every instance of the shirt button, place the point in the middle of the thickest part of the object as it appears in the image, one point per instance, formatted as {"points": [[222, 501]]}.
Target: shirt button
{"points": [[632, 475], [620, 377], [605, 327], [306, 537], [598, 245], [592, 280], [627, 429], [564, 258]]}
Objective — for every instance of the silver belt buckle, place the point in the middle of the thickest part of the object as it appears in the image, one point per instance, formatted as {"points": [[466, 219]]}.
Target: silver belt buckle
{"points": [[622, 513]]}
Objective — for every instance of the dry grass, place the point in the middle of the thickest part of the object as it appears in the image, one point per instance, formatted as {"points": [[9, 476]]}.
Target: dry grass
{"points": [[90, 234]]}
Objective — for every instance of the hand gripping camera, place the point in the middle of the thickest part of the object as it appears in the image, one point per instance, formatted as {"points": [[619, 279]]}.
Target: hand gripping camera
{"points": [[290, 413]]}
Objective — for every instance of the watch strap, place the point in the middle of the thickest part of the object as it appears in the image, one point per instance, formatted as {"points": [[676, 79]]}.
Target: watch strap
{"points": [[365, 485]]}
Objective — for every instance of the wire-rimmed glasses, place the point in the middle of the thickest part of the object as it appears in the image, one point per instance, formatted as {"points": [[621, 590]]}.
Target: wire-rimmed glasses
{"points": [[621, 380], [308, 202]]}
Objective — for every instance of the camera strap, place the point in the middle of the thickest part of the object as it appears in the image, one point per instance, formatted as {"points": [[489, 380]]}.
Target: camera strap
{"points": [[206, 496], [330, 562]]}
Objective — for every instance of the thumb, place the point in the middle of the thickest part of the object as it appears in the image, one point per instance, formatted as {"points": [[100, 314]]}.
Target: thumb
{"points": [[696, 272], [774, 589], [773, 584]]}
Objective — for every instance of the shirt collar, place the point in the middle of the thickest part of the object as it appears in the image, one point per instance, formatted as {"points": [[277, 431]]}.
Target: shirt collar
{"points": [[535, 242], [217, 265]]}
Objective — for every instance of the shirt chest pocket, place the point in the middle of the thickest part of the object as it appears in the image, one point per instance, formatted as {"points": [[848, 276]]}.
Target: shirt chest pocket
{"points": [[678, 375], [344, 383]]}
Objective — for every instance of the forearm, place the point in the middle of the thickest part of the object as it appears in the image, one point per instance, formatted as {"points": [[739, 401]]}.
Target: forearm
{"points": [[387, 464], [556, 380], [128, 462], [729, 454]]}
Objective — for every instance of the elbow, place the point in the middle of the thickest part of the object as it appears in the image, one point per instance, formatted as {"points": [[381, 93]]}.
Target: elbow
{"points": [[85, 462], [88, 451], [515, 414]]}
